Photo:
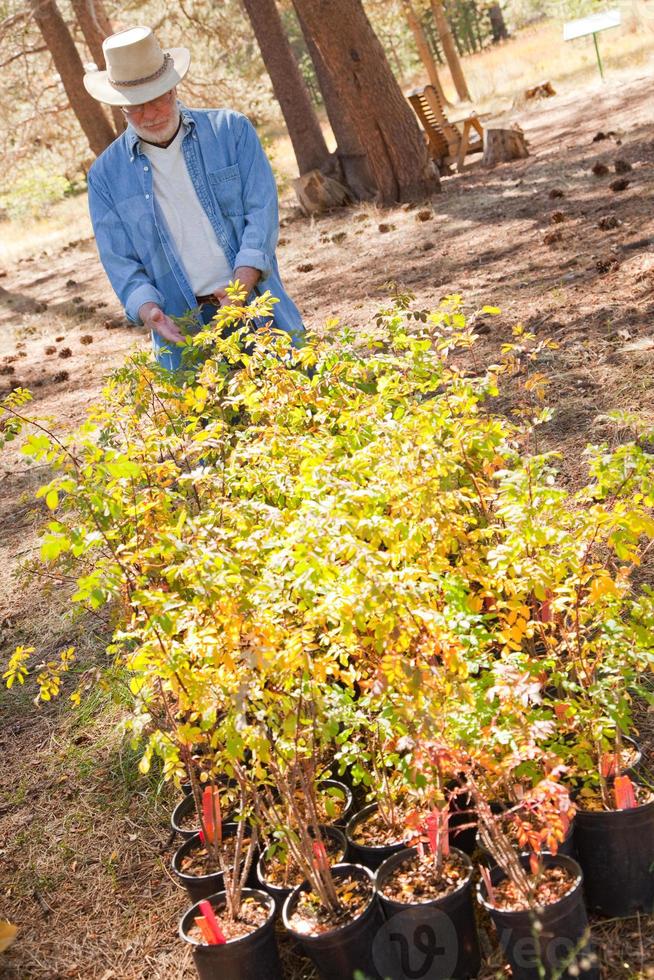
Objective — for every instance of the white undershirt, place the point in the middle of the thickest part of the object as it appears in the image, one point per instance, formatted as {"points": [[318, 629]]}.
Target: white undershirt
{"points": [[202, 257]]}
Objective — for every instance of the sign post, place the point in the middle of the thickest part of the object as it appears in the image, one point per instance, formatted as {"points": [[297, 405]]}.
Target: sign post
{"points": [[592, 25]]}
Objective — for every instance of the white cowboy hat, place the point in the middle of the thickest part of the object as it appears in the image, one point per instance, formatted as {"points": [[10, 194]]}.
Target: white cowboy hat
{"points": [[137, 69]]}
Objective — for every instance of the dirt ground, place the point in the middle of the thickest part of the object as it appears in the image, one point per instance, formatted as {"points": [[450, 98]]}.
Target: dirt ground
{"points": [[84, 844]]}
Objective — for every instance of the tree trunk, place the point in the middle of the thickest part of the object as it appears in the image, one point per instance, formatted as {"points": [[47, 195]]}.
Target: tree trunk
{"points": [[371, 99], [68, 63], [449, 50], [498, 25], [422, 44], [349, 149], [94, 34], [290, 90]]}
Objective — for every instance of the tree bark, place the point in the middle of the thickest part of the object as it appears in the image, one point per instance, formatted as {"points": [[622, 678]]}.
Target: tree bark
{"points": [[69, 65], [370, 98], [290, 90], [349, 149], [501, 145], [94, 32], [422, 44], [449, 50]]}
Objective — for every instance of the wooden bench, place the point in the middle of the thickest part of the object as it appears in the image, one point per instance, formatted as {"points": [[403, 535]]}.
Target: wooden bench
{"points": [[447, 142]]}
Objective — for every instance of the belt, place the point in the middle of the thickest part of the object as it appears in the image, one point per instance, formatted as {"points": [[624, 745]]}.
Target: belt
{"points": [[210, 299]]}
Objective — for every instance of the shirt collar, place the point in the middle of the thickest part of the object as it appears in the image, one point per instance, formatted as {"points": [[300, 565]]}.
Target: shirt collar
{"points": [[133, 139]]}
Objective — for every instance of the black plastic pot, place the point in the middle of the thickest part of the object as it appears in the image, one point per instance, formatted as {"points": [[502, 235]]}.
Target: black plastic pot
{"points": [[437, 937], [348, 806], [185, 807], [201, 886], [555, 937], [370, 856], [462, 823], [340, 952], [252, 957], [615, 849], [280, 893]]}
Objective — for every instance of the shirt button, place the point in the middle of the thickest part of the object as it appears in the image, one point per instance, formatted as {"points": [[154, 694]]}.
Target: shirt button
{"points": [[147, 197], [146, 169]]}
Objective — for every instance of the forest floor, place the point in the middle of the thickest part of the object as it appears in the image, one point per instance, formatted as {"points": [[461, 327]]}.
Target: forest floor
{"points": [[84, 842]]}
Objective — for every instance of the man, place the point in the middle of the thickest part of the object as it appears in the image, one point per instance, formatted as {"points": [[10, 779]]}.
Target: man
{"points": [[183, 201]]}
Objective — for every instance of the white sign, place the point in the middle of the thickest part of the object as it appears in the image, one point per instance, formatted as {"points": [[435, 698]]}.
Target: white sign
{"points": [[591, 25]]}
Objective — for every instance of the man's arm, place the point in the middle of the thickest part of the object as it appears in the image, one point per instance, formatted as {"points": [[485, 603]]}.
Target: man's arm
{"points": [[259, 239], [123, 266]]}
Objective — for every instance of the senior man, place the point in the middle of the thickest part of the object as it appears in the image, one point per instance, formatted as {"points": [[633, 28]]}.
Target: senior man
{"points": [[183, 201]]}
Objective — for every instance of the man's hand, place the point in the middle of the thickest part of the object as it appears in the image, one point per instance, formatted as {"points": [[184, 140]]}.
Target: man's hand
{"points": [[154, 318], [248, 277]]}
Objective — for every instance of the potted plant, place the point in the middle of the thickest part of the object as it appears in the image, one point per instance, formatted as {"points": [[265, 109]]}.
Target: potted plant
{"points": [[430, 884], [614, 837], [536, 900], [334, 917], [219, 851]]}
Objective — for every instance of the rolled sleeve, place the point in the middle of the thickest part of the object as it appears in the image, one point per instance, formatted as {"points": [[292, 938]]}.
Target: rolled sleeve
{"points": [[145, 293]]}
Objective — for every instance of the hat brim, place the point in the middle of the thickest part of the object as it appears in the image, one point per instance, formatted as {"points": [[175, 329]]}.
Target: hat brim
{"points": [[98, 85]]}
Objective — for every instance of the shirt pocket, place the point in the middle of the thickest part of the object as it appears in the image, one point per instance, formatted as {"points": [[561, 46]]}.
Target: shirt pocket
{"points": [[226, 187]]}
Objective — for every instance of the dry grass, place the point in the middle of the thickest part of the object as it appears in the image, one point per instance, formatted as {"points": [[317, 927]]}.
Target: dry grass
{"points": [[500, 74], [65, 222]]}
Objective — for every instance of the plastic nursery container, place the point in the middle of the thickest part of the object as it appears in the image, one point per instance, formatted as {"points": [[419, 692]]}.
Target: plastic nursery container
{"points": [[370, 856], [252, 957], [348, 804], [201, 886], [279, 892], [184, 808], [559, 939], [615, 849], [436, 938], [340, 952]]}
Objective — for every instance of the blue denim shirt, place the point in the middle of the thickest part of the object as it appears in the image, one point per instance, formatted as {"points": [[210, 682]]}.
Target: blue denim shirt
{"points": [[236, 187]]}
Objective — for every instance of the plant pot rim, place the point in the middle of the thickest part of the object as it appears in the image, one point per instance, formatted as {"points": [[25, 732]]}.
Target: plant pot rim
{"points": [[345, 867], [594, 814], [349, 796], [189, 845], [187, 803], [412, 852], [219, 899], [261, 863], [554, 859], [357, 818]]}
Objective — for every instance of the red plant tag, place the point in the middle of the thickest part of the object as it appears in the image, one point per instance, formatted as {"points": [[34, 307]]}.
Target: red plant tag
{"points": [[211, 816], [625, 795], [546, 614], [206, 930], [320, 858], [607, 764], [212, 922]]}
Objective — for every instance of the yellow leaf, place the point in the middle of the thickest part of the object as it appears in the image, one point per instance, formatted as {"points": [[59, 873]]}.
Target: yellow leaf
{"points": [[52, 499], [8, 933], [601, 586]]}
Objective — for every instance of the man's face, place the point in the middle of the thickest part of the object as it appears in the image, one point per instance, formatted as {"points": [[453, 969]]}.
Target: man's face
{"points": [[155, 121]]}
